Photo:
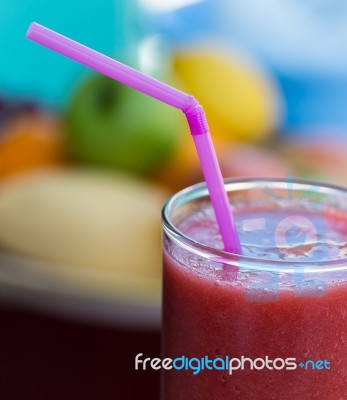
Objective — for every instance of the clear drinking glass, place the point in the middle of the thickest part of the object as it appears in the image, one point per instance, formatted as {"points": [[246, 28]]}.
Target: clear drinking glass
{"points": [[270, 323]]}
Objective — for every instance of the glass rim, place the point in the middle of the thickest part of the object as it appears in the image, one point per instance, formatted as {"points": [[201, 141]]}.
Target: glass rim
{"points": [[200, 190]]}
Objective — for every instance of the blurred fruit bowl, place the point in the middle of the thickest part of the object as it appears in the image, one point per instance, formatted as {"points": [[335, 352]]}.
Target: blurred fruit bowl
{"points": [[54, 289]]}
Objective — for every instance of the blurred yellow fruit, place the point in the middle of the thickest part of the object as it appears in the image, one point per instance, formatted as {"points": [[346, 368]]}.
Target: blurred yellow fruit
{"points": [[100, 230], [238, 97], [28, 141]]}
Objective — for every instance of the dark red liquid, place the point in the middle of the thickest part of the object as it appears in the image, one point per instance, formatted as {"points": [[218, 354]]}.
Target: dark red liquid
{"points": [[214, 312]]}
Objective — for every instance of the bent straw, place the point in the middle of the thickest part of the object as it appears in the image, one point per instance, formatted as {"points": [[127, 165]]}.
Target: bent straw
{"points": [[194, 113]]}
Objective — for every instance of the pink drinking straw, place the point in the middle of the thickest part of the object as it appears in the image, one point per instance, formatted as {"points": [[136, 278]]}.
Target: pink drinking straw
{"points": [[188, 104]]}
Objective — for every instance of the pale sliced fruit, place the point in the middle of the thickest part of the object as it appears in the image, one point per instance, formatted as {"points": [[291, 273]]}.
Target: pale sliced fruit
{"points": [[105, 229]]}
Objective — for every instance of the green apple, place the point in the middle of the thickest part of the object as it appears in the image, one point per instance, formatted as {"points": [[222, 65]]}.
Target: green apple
{"points": [[110, 124]]}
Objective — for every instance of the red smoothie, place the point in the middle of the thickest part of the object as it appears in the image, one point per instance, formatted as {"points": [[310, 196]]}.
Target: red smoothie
{"points": [[285, 298]]}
